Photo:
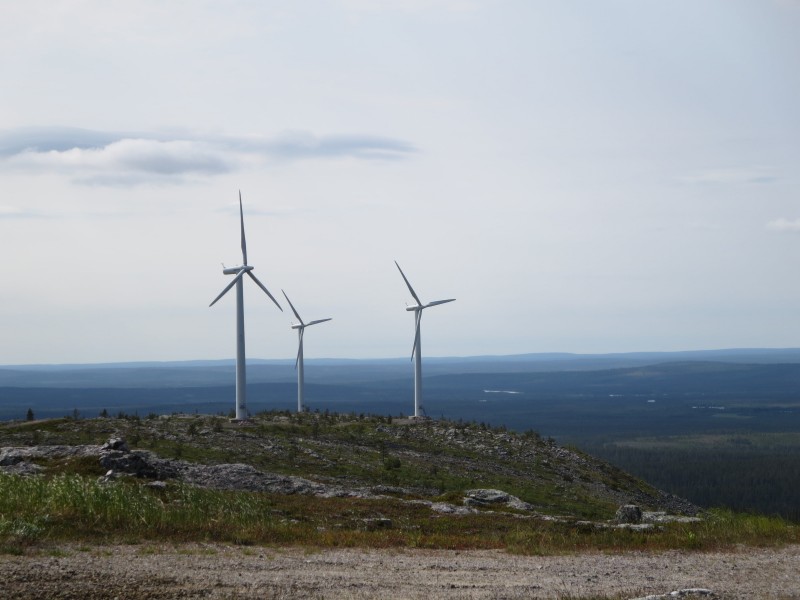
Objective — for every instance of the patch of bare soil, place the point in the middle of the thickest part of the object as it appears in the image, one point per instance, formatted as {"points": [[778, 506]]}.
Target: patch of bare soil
{"points": [[213, 571]]}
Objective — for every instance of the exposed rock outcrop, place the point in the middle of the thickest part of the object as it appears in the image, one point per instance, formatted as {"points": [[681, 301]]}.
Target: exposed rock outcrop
{"points": [[488, 497], [628, 513]]}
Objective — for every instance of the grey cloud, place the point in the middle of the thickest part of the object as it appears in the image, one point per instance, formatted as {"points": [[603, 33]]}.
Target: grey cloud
{"points": [[299, 145], [173, 158], [52, 139], [128, 158]]}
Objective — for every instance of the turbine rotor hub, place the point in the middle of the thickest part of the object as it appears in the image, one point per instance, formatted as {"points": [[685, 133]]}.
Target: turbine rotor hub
{"points": [[235, 270]]}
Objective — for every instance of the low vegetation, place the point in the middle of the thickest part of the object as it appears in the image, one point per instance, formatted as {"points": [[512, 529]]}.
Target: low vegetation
{"points": [[35, 510], [432, 460]]}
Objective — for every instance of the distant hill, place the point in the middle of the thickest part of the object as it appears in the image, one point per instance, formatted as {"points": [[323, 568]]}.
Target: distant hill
{"points": [[344, 371], [653, 393]]}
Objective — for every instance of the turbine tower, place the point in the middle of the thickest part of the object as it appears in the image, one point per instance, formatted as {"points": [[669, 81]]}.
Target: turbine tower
{"points": [[416, 352], [298, 364], [238, 281]]}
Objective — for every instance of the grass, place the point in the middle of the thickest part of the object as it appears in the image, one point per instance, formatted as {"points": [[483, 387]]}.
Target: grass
{"points": [[76, 508]]}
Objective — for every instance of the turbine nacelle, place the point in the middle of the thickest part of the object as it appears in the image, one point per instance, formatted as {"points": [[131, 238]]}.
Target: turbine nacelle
{"points": [[235, 270]]}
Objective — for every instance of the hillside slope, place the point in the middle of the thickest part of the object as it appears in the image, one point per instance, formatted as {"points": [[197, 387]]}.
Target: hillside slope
{"points": [[361, 455]]}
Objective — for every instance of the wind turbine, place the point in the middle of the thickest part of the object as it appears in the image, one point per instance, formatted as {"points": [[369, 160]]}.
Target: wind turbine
{"points": [[238, 280], [298, 364], [416, 353]]}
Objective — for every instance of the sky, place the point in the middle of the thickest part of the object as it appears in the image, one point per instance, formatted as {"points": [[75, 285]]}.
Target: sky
{"points": [[583, 176]]}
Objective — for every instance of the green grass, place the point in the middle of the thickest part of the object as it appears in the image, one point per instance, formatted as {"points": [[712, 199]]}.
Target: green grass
{"points": [[38, 510]]}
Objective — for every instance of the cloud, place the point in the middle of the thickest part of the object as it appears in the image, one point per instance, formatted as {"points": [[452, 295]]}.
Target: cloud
{"points": [[732, 176], [298, 145], [108, 158], [784, 225]]}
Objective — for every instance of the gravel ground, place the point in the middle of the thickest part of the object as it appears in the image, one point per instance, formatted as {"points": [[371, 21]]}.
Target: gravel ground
{"points": [[133, 572]]}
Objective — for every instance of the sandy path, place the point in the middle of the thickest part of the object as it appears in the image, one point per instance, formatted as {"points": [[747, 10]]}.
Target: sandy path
{"points": [[217, 571]]}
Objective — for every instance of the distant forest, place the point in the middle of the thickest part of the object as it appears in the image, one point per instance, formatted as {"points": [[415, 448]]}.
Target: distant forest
{"points": [[745, 479]]}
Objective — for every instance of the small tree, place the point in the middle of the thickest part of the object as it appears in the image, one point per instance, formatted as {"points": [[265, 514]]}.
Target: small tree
{"points": [[29, 416]]}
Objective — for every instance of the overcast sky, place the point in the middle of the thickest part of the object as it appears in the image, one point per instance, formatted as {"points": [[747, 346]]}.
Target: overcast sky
{"points": [[581, 175]]}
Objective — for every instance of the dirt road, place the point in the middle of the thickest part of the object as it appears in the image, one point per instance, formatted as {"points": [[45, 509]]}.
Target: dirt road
{"points": [[133, 572]]}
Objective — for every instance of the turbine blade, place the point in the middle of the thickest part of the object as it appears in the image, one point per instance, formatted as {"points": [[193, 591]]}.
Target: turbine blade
{"points": [[241, 220], [410, 289], [228, 287], [292, 307], [416, 333], [266, 291], [317, 321], [437, 302]]}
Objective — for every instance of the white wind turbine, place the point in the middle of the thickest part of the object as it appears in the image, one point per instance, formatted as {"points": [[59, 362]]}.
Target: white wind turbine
{"points": [[239, 272], [298, 364], [416, 353]]}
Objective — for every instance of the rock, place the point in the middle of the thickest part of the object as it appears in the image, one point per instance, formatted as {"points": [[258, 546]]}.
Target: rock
{"points": [[685, 593], [628, 513], [116, 444], [485, 497], [247, 477], [662, 517], [21, 468], [9, 456], [140, 463], [445, 508], [635, 526], [489, 497]]}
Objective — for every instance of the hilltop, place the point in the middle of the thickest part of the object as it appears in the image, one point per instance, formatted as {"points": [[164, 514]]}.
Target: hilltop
{"points": [[339, 455]]}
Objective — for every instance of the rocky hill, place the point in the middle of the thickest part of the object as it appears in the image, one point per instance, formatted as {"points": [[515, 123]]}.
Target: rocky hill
{"points": [[450, 466]]}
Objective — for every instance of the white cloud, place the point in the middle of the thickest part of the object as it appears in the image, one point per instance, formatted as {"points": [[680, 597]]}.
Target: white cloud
{"points": [[784, 225], [92, 157]]}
